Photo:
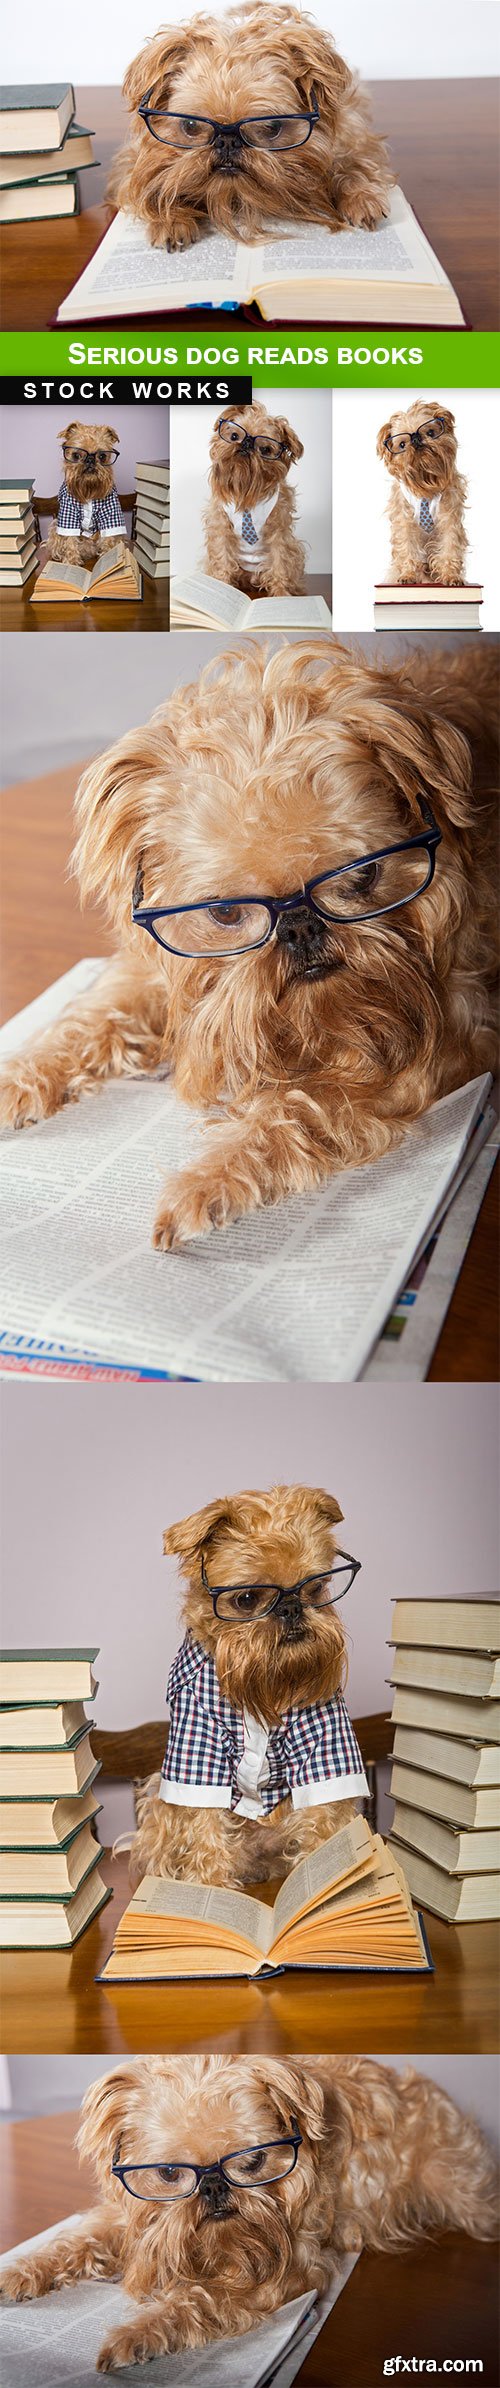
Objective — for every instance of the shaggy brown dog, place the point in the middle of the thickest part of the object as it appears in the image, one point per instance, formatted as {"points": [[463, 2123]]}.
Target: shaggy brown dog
{"points": [[290, 1659], [381, 2160], [327, 1042], [251, 453], [89, 483], [262, 62], [426, 505]]}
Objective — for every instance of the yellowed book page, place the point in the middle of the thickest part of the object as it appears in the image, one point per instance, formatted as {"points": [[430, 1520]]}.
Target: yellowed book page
{"points": [[70, 579], [211, 599], [345, 1853], [229, 1911]]}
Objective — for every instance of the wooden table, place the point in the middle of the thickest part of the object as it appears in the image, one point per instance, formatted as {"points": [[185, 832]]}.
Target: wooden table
{"points": [[50, 2000], [149, 612], [36, 836], [439, 2299], [443, 141]]}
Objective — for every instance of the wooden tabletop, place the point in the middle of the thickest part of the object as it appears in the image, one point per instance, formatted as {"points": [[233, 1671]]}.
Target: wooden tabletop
{"points": [[149, 612], [36, 836], [437, 2300], [443, 142], [50, 2000]]}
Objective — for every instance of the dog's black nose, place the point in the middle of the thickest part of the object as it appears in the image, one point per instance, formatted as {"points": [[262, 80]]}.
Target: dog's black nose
{"points": [[227, 153], [300, 927], [215, 2196]]}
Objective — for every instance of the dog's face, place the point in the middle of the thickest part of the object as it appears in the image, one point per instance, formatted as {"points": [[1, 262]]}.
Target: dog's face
{"points": [[256, 61], [419, 447], [251, 453], [164, 2111], [273, 768], [275, 1538], [88, 461]]}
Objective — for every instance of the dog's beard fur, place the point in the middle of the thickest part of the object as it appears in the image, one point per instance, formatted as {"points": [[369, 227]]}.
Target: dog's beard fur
{"points": [[96, 481], [275, 1538], [246, 480], [258, 61], [428, 469]]}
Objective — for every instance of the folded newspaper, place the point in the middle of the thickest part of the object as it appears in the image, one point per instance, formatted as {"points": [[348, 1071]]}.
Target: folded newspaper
{"points": [[54, 2342], [300, 1290]]}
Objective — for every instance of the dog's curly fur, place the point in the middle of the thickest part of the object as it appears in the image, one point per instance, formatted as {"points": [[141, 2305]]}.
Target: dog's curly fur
{"points": [[386, 2159], [276, 765], [274, 1537], [258, 60], [430, 470], [246, 480], [84, 483]]}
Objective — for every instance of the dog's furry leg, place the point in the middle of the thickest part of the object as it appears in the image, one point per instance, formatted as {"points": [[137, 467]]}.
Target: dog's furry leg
{"points": [[285, 1143], [91, 2252], [118, 1028], [362, 182], [188, 2316], [190, 1844]]}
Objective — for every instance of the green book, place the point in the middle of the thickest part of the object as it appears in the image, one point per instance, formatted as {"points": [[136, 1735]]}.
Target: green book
{"points": [[32, 1677]]}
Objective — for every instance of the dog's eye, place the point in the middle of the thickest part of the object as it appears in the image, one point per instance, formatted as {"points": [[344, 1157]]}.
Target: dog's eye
{"points": [[253, 2163], [245, 1604], [275, 127], [227, 916], [363, 880], [190, 126], [168, 2172]]}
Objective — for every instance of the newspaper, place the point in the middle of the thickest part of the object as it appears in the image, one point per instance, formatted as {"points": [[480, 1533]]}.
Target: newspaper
{"points": [[300, 1290], [54, 2342]]}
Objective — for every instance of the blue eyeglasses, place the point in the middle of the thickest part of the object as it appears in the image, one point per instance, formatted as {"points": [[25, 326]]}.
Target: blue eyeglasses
{"points": [[246, 2168], [240, 1604], [220, 927], [188, 132]]}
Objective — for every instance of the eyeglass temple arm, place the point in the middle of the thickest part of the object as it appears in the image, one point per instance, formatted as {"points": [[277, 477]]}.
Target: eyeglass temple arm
{"points": [[138, 887]]}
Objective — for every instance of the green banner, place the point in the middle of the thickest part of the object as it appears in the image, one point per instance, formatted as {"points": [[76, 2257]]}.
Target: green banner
{"points": [[304, 356]]}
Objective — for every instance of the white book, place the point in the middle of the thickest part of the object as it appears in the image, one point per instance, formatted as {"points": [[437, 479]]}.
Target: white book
{"points": [[460, 1852], [212, 604], [467, 1899], [474, 1764], [437, 1795], [61, 2336], [296, 1290], [422, 616], [448, 1624], [295, 275]]}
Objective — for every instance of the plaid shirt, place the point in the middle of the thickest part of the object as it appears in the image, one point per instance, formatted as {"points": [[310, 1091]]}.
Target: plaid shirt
{"points": [[311, 1755], [107, 515]]}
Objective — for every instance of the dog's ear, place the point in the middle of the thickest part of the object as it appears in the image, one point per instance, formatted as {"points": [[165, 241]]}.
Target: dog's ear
{"points": [[383, 435], [69, 433], [103, 2116], [155, 66], [296, 2089], [105, 432], [189, 1538], [121, 807], [294, 445], [328, 1507], [316, 64]]}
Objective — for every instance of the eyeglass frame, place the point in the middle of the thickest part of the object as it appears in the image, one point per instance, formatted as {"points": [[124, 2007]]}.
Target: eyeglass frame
{"points": [[279, 447], [283, 1592], [145, 915], [91, 455], [415, 438], [180, 115], [291, 2139]]}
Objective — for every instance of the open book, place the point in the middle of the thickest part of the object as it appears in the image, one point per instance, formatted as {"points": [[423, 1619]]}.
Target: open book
{"points": [[301, 1289], [295, 275], [115, 574], [203, 603], [344, 1906]]}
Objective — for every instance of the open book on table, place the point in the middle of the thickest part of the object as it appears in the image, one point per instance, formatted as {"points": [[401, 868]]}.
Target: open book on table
{"points": [[116, 574], [295, 275], [345, 1907], [299, 1289], [201, 602]]}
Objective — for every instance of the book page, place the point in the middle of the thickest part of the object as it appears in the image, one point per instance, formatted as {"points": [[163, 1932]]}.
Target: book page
{"points": [[323, 1868], [288, 613], [66, 576], [300, 1289], [113, 560], [127, 274], [397, 252], [229, 1911], [207, 596]]}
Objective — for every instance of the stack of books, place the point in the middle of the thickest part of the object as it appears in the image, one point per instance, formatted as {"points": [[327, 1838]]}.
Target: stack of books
{"points": [[152, 528], [428, 607], [446, 1759], [41, 150], [18, 534], [50, 1886]]}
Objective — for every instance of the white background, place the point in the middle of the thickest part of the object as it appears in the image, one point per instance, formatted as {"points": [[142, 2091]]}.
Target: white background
{"points": [[90, 1484], [361, 487], [309, 413], [95, 44]]}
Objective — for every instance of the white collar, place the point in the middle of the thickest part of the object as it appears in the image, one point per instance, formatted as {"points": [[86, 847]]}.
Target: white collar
{"points": [[416, 502], [259, 512]]}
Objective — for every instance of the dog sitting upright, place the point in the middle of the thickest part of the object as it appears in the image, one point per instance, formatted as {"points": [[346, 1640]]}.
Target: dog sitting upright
{"points": [[250, 539], [231, 2184], [89, 515], [261, 1762], [242, 121], [298, 855], [426, 505]]}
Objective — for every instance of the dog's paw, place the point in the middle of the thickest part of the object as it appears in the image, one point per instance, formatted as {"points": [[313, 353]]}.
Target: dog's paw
{"points": [[26, 1094], [191, 1207], [137, 2342], [362, 208], [20, 2281]]}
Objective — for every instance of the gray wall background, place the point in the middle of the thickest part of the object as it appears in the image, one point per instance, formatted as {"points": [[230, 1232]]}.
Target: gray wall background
{"points": [[41, 2084], [56, 712], [88, 1486], [30, 442]]}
